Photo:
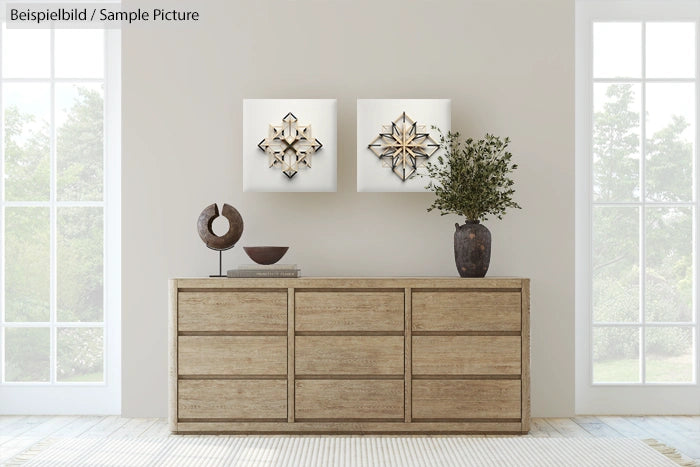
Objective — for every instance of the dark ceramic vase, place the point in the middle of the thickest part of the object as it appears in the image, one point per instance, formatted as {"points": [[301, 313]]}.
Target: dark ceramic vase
{"points": [[472, 249]]}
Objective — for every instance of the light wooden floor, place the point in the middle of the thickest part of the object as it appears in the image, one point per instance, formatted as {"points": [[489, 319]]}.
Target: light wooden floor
{"points": [[17, 433]]}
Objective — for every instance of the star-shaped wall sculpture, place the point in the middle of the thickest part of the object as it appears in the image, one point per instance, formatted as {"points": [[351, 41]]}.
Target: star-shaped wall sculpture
{"points": [[404, 146], [290, 145]]}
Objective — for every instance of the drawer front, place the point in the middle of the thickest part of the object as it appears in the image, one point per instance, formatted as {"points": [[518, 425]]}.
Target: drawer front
{"points": [[232, 399], [349, 355], [349, 311], [466, 399], [348, 399], [466, 311], [232, 355], [466, 355], [232, 311]]}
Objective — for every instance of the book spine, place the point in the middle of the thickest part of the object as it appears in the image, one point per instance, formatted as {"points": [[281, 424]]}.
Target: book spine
{"points": [[254, 273], [267, 267]]}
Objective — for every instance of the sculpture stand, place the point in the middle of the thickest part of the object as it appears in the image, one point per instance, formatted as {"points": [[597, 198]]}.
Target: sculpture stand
{"points": [[220, 270]]}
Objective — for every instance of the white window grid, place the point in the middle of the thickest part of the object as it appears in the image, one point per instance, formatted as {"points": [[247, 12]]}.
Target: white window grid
{"points": [[642, 325], [53, 204]]}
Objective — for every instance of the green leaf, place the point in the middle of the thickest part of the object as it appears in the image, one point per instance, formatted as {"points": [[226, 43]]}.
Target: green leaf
{"points": [[472, 179]]}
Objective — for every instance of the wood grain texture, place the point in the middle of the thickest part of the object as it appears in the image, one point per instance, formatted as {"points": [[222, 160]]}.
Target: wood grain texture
{"points": [[408, 307], [349, 399], [232, 311], [348, 355], [351, 428], [525, 379], [466, 355], [232, 355], [466, 311], [291, 319], [172, 354], [232, 399], [352, 283], [455, 399], [349, 311]]}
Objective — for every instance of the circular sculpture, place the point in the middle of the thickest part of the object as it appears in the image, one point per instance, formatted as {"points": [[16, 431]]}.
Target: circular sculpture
{"points": [[235, 227]]}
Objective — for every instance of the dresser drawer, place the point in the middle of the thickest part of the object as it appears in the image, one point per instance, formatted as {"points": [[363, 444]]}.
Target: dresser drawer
{"points": [[349, 399], [349, 355], [466, 399], [232, 399], [466, 311], [232, 355], [466, 355], [232, 311], [349, 311]]}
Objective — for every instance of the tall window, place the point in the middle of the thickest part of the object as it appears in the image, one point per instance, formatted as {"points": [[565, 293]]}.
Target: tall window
{"points": [[59, 214], [636, 171]]}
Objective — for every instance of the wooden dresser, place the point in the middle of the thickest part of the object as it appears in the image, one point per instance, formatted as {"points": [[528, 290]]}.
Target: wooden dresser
{"points": [[350, 355]]}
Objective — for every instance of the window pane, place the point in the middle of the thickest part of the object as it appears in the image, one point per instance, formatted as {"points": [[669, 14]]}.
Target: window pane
{"points": [[615, 264], [79, 264], [615, 355], [669, 355], [670, 50], [79, 142], [616, 142], [80, 354], [27, 354], [26, 119], [617, 50], [79, 53], [27, 264], [669, 265], [26, 53], [670, 141]]}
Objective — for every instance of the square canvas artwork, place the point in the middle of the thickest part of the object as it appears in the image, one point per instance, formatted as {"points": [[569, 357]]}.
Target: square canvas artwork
{"points": [[289, 145], [395, 140]]}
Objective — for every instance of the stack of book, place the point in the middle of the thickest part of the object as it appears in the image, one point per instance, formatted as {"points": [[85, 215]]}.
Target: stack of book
{"points": [[260, 270]]}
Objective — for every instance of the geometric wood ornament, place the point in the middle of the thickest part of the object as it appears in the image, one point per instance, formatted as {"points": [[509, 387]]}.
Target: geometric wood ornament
{"points": [[404, 146], [289, 145]]}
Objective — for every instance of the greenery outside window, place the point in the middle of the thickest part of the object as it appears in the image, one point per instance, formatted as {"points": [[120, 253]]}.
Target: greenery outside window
{"points": [[59, 210], [637, 200]]}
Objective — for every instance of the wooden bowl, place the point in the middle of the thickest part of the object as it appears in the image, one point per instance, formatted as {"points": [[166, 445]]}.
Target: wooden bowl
{"points": [[266, 254]]}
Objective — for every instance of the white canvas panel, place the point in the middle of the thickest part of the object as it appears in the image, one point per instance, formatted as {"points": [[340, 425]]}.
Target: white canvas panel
{"points": [[259, 114], [372, 116]]}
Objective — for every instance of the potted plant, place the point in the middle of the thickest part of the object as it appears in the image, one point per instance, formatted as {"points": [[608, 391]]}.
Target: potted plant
{"points": [[472, 179]]}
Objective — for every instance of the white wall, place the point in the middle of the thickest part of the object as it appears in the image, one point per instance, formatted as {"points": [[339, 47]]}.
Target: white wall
{"points": [[508, 67]]}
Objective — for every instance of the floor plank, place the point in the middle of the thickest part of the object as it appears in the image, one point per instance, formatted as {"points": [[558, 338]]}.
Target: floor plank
{"points": [[597, 428], [134, 428], [6, 420], [20, 425], [683, 424], [539, 428], [36, 433], [625, 427], [568, 428], [158, 429], [663, 432], [105, 427], [79, 426]]}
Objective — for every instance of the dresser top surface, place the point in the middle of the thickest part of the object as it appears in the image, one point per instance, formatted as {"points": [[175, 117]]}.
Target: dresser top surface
{"points": [[354, 282]]}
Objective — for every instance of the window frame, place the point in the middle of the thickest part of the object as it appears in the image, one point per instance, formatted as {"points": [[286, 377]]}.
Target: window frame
{"points": [[640, 397], [55, 397]]}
